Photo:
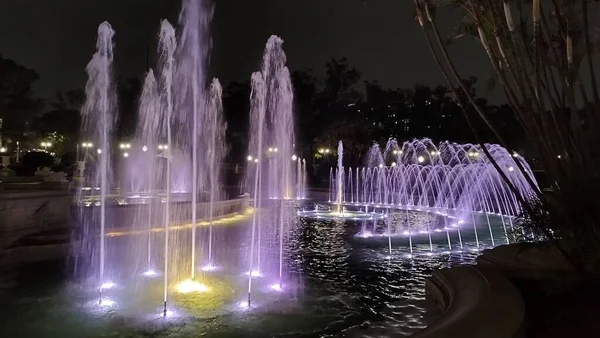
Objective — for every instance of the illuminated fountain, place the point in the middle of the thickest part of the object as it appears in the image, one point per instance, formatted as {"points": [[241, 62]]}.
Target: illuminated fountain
{"points": [[98, 121], [454, 183], [271, 163], [154, 239]]}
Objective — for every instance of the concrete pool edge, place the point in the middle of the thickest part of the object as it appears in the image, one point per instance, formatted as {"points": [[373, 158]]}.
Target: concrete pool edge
{"points": [[476, 302]]}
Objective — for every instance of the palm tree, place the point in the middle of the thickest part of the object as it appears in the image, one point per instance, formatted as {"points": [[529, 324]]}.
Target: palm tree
{"points": [[536, 49]]}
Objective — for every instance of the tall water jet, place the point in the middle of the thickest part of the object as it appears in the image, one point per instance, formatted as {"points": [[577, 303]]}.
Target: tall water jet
{"points": [[98, 121], [257, 113], [214, 139], [340, 177], [149, 122], [192, 57], [278, 134], [271, 140], [167, 46]]}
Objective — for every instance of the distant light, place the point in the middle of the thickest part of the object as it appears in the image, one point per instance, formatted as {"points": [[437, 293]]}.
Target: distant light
{"points": [[270, 150], [327, 151], [433, 153], [393, 164], [380, 165], [255, 160], [511, 168], [122, 145], [144, 149], [559, 156], [125, 154], [420, 159], [99, 151], [2, 150], [515, 155], [294, 157], [395, 152], [321, 151], [249, 158], [275, 150]]}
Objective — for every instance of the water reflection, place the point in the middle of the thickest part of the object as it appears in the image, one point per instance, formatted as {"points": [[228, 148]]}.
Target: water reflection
{"points": [[339, 285]]}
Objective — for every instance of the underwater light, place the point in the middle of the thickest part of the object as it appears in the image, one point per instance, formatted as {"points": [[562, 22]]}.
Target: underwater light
{"points": [[107, 285], [255, 273], [276, 287], [189, 286], [149, 273], [209, 267], [105, 302]]}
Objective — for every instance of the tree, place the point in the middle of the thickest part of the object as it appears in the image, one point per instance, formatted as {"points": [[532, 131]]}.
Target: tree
{"points": [[236, 106], [64, 118], [128, 93], [537, 53], [18, 103]]}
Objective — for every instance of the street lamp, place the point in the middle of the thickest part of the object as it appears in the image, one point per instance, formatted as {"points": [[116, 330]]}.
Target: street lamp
{"points": [[420, 159], [163, 147], [2, 150], [124, 145], [87, 145], [46, 145], [249, 158], [294, 157], [125, 154]]}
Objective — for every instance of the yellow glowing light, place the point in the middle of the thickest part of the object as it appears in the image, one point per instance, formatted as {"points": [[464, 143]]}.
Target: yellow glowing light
{"points": [[189, 286], [232, 218]]}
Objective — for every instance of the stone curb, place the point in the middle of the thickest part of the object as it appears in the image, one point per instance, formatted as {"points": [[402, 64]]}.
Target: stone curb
{"points": [[478, 303]]}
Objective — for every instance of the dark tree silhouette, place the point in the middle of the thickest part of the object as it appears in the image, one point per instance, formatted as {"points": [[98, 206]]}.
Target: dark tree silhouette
{"points": [[18, 103]]}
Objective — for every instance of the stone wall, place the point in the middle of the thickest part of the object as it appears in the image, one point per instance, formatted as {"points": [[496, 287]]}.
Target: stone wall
{"points": [[27, 212]]}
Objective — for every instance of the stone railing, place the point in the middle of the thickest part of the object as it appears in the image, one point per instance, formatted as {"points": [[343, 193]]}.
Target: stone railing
{"points": [[124, 216], [475, 303], [27, 212]]}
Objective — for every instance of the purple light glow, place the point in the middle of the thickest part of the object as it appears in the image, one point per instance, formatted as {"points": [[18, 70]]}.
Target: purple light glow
{"points": [[209, 268], [276, 287]]}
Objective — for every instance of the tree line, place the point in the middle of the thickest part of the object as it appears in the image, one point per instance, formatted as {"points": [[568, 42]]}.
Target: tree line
{"points": [[334, 105]]}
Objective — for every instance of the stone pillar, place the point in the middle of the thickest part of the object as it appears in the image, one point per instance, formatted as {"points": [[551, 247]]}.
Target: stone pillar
{"points": [[79, 177], [5, 163]]}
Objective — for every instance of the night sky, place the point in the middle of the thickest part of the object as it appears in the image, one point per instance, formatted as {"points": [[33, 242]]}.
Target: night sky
{"points": [[380, 38]]}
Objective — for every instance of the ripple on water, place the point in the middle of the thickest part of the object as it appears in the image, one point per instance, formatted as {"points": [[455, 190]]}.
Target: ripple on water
{"points": [[346, 287]]}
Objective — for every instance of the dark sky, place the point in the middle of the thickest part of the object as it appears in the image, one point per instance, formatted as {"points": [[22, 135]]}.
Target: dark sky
{"points": [[57, 37]]}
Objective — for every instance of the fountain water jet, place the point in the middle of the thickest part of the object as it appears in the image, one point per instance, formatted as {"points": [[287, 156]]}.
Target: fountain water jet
{"points": [[167, 47], [340, 177], [98, 120], [215, 143]]}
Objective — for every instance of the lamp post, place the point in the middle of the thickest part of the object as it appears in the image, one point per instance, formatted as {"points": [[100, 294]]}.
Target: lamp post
{"points": [[46, 145]]}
